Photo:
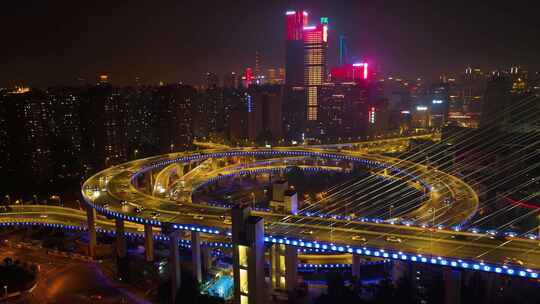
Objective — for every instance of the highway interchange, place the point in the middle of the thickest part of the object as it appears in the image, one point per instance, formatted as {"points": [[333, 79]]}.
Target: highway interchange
{"points": [[113, 192]]}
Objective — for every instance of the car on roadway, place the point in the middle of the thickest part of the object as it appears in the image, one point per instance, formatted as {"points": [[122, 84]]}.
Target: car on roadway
{"points": [[139, 209], [310, 232], [155, 214], [359, 238], [393, 239], [227, 221], [508, 261], [198, 217]]}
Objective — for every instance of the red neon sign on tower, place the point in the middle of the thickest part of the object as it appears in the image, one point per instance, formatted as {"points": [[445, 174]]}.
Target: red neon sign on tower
{"points": [[296, 20]]}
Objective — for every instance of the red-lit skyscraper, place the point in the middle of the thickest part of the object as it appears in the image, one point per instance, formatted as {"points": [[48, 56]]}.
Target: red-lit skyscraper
{"points": [[294, 97], [294, 48]]}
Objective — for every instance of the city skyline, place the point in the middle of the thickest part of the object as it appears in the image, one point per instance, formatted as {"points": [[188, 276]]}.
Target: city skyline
{"points": [[151, 43]]}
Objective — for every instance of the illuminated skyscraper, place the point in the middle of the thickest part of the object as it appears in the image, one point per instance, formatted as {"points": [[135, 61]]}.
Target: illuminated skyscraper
{"points": [[315, 58], [294, 104], [343, 51], [294, 47]]}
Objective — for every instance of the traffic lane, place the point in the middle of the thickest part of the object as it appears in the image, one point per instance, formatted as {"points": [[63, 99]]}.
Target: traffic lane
{"points": [[380, 231], [483, 248]]}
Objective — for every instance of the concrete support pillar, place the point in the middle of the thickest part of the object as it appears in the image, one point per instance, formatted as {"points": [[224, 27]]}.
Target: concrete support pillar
{"points": [[355, 269], [206, 258], [248, 257], [452, 286], [284, 268], [291, 262], [399, 269], [148, 243], [121, 250], [174, 264], [91, 222], [196, 255], [151, 177]]}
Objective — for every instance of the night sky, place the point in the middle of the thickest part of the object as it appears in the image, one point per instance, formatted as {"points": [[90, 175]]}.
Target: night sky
{"points": [[57, 41]]}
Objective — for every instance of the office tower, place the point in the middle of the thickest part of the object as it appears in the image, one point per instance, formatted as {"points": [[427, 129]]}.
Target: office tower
{"points": [[474, 86], [294, 97], [439, 106], [281, 74], [257, 65], [343, 51], [271, 76], [343, 110], [315, 58], [230, 80], [508, 109], [294, 47], [248, 78], [496, 102], [211, 80], [264, 114]]}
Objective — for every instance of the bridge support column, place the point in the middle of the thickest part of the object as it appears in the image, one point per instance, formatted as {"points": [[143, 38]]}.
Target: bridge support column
{"points": [[91, 222], [399, 270], [206, 258], [196, 255], [120, 239], [174, 264], [148, 243], [452, 286], [355, 269], [248, 257], [284, 268]]}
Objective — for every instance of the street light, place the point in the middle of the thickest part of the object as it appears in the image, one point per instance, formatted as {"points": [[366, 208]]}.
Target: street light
{"points": [[5, 291]]}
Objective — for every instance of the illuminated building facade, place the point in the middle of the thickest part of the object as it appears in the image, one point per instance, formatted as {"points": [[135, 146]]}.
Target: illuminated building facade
{"points": [[350, 72], [294, 47], [248, 77], [315, 59], [294, 96], [230, 81]]}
